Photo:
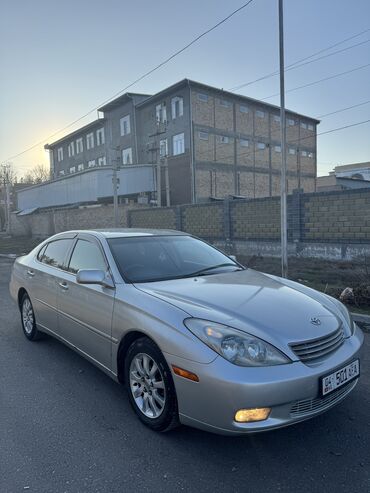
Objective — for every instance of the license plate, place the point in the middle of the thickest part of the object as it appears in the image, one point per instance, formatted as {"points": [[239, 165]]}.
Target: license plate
{"points": [[340, 377]]}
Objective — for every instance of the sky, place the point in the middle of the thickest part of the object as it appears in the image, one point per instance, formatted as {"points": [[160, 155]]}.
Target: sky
{"points": [[59, 60]]}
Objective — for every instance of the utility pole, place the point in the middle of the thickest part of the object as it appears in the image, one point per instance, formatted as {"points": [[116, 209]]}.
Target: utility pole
{"points": [[159, 183], [158, 165], [283, 194], [167, 180], [7, 202], [6, 182], [115, 183]]}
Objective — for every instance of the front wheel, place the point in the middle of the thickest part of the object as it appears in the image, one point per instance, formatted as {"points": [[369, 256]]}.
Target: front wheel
{"points": [[28, 319], [150, 385]]}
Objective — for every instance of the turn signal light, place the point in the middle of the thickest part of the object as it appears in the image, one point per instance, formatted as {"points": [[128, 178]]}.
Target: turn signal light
{"points": [[250, 415], [185, 373]]}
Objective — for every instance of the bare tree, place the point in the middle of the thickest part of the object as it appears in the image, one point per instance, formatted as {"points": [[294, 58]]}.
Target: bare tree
{"points": [[7, 174], [38, 174]]}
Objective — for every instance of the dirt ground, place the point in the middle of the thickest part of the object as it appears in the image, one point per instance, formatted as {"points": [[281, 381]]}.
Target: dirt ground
{"points": [[327, 276]]}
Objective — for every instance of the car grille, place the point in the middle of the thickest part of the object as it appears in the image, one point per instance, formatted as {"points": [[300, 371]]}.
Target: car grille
{"points": [[316, 348], [310, 406]]}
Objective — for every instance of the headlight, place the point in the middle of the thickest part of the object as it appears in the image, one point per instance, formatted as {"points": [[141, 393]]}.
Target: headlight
{"points": [[234, 345]]}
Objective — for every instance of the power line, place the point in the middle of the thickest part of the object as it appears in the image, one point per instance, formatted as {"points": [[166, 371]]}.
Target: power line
{"points": [[318, 81], [293, 65], [146, 74], [342, 128], [344, 109]]}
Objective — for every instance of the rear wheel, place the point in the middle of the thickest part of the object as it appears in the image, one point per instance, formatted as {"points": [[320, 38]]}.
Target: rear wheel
{"points": [[28, 319], [150, 386]]}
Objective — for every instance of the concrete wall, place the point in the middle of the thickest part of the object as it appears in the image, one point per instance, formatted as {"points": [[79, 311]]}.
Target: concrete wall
{"points": [[47, 223]]}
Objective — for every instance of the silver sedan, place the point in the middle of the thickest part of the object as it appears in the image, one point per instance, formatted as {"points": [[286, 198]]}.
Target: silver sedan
{"points": [[195, 337]]}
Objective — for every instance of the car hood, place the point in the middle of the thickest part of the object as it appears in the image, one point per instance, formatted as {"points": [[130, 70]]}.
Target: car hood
{"points": [[269, 307]]}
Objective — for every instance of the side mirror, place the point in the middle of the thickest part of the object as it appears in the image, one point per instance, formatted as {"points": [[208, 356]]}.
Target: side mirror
{"points": [[94, 276]]}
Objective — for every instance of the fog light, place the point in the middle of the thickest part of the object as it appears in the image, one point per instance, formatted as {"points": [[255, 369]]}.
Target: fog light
{"points": [[249, 415]]}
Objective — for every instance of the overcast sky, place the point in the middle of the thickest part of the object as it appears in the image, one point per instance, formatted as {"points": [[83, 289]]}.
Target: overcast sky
{"points": [[60, 59]]}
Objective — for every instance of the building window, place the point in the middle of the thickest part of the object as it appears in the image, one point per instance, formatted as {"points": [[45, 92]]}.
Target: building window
{"points": [[177, 106], [125, 125], [243, 108], [61, 172], [304, 153], [291, 122], [303, 125], [223, 139], [71, 149], [91, 164], [163, 148], [102, 161], [178, 144], [100, 137], [161, 113], [225, 103], [79, 146], [260, 114], [203, 135], [72, 169], [202, 97], [277, 148], [291, 150], [310, 126], [261, 145], [127, 156], [277, 118], [90, 141], [244, 142], [60, 154], [80, 167]]}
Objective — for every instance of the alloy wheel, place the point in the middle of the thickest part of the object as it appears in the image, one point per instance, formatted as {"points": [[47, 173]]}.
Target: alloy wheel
{"points": [[147, 385], [27, 316]]}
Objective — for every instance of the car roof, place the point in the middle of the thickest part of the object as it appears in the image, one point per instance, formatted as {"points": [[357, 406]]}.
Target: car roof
{"points": [[124, 232]]}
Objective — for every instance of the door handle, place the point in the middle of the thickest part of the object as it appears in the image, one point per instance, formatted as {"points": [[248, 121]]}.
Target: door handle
{"points": [[63, 285], [31, 273]]}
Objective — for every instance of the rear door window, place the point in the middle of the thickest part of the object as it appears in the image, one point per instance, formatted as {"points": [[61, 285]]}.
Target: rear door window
{"points": [[56, 252]]}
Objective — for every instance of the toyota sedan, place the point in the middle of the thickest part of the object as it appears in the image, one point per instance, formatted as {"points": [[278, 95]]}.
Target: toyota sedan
{"points": [[195, 337]]}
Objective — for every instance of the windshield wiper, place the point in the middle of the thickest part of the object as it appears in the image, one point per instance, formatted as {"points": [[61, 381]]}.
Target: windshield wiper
{"points": [[202, 272]]}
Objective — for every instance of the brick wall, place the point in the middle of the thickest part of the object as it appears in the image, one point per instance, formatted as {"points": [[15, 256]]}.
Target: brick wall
{"points": [[337, 216], [325, 224], [256, 219], [161, 218], [205, 221]]}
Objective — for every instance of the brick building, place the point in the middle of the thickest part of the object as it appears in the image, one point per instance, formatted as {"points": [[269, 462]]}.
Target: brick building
{"points": [[215, 143]]}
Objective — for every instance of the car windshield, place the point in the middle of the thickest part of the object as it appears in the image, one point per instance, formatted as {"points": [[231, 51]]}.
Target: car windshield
{"points": [[159, 258]]}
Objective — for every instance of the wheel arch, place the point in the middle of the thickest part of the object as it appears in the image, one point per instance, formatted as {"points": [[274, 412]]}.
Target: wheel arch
{"points": [[21, 292], [125, 343]]}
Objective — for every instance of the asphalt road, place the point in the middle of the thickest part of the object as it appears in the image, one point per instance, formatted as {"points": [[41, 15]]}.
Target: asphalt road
{"points": [[66, 427]]}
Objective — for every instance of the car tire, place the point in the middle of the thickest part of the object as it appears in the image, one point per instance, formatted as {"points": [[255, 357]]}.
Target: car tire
{"points": [[150, 386], [28, 319]]}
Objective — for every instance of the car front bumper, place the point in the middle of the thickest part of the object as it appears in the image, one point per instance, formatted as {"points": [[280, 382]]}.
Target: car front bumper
{"points": [[291, 391]]}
